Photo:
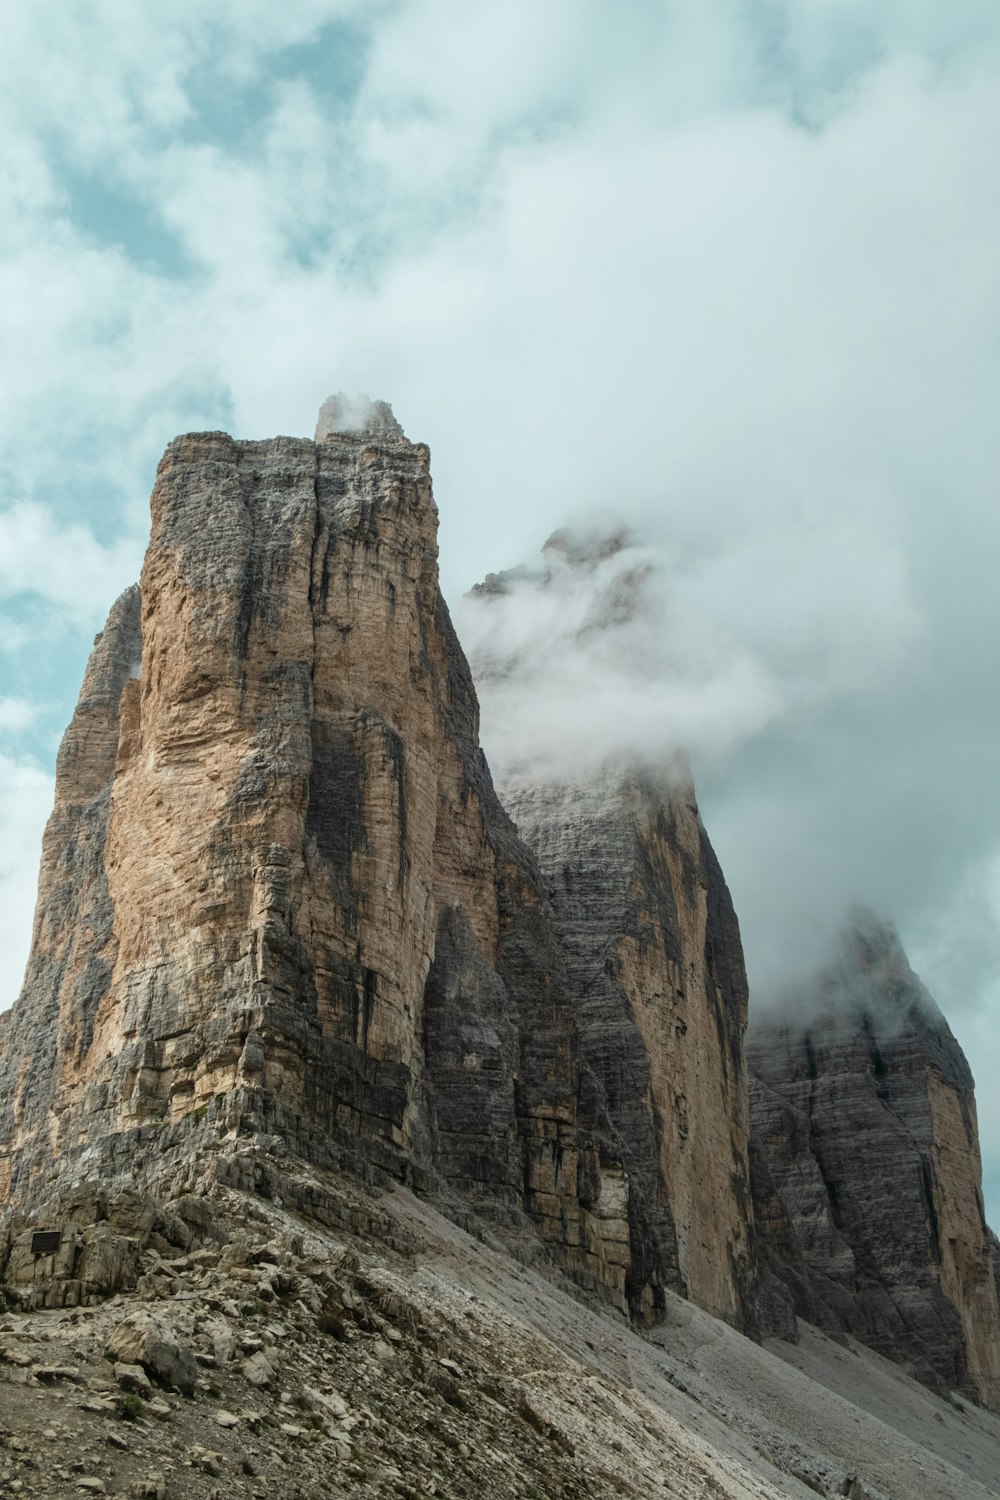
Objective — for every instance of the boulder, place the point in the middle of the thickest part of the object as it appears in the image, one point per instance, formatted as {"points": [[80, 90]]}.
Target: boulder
{"points": [[144, 1340]]}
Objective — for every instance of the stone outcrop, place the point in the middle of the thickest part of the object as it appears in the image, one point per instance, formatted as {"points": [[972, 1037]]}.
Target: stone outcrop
{"points": [[280, 898], [866, 1172]]}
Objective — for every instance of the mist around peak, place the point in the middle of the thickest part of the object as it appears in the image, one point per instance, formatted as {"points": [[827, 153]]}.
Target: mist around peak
{"points": [[594, 655], [341, 414], [808, 681], [863, 982]]}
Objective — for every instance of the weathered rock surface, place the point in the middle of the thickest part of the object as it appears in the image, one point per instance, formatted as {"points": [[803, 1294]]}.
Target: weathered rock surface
{"points": [[48, 1039], [866, 1171], [143, 1340], [656, 963], [282, 908], [280, 897]]}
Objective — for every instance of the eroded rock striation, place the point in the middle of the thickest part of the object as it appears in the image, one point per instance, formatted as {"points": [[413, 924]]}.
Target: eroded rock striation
{"points": [[656, 965], [280, 897], [866, 1171]]}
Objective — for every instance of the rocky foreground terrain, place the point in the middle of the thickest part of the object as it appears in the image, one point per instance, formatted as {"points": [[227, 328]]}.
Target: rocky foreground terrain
{"points": [[305, 1338], [366, 1131]]}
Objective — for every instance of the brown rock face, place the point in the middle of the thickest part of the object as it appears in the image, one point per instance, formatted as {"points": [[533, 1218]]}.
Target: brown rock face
{"points": [[46, 1041], [657, 965], [283, 916], [866, 1171], [279, 896]]}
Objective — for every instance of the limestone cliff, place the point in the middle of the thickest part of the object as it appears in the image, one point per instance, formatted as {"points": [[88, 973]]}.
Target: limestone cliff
{"points": [[657, 967], [280, 898], [865, 1168], [47, 1039]]}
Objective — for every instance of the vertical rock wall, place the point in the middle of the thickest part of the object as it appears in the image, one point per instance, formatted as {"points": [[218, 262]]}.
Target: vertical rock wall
{"points": [[866, 1171], [657, 967], [46, 1041], [279, 896]]}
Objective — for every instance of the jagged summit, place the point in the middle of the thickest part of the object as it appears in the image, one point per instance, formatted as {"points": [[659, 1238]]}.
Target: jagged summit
{"points": [[867, 981], [342, 414], [531, 625], [585, 547], [569, 550]]}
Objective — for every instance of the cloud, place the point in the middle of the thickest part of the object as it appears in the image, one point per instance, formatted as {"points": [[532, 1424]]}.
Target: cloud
{"points": [[25, 802], [65, 565], [615, 650], [16, 713]]}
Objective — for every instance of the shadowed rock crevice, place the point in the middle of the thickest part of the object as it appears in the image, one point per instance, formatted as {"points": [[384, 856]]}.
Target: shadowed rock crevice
{"points": [[335, 815]]}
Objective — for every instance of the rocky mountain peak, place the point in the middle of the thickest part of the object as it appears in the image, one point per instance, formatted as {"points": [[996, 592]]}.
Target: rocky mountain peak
{"points": [[282, 900], [570, 558], [865, 1166], [289, 932], [585, 547], [869, 973], [342, 415]]}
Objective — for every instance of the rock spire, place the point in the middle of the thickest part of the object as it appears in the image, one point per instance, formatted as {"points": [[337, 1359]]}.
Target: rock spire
{"points": [[866, 1172], [281, 899]]}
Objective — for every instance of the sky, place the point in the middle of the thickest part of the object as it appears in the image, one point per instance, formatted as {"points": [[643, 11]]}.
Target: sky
{"points": [[725, 273]]}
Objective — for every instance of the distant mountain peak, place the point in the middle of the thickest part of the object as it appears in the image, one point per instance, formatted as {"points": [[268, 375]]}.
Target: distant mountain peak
{"points": [[341, 415]]}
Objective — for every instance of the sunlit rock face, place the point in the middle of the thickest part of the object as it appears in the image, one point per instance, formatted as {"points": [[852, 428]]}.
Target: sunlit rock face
{"points": [[280, 898], [866, 1170], [47, 1039]]}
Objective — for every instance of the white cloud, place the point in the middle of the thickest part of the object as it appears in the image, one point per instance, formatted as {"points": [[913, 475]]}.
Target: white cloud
{"points": [[107, 73], [25, 803], [16, 713], [65, 565], [646, 652]]}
